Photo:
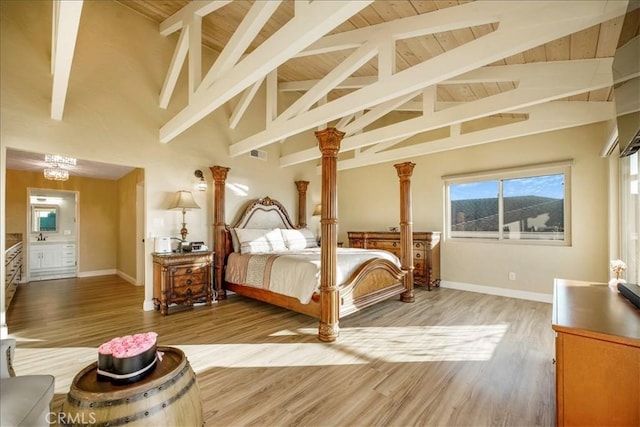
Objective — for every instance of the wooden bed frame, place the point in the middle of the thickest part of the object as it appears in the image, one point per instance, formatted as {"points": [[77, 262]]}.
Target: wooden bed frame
{"points": [[373, 281]]}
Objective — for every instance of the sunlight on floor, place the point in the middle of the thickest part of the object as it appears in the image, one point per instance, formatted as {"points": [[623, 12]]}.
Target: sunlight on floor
{"points": [[363, 345]]}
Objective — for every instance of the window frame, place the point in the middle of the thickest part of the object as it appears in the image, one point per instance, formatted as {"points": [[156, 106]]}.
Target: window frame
{"points": [[527, 171]]}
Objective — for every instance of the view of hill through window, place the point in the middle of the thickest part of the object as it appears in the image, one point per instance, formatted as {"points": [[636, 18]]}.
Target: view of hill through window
{"points": [[533, 208]]}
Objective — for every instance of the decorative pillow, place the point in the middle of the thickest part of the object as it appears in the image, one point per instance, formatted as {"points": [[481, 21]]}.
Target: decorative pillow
{"points": [[299, 239], [234, 240], [255, 240]]}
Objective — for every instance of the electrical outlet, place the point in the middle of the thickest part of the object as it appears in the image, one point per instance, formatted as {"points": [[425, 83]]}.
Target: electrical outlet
{"points": [[512, 275]]}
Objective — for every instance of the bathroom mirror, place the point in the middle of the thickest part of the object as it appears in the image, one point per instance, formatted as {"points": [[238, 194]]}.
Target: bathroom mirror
{"points": [[44, 218]]}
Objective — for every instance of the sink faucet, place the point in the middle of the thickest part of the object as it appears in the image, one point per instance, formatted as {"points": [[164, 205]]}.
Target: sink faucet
{"points": [[40, 237]]}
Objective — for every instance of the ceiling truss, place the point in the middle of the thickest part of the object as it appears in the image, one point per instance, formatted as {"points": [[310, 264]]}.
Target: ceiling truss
{"points": [[356, 103]]}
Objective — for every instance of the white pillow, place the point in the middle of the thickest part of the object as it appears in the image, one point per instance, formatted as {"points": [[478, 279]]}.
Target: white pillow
{"points": [[255, 240], [299, 239]]}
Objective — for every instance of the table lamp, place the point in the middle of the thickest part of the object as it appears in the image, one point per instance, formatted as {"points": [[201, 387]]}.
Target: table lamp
{"points": [[184, 200]]}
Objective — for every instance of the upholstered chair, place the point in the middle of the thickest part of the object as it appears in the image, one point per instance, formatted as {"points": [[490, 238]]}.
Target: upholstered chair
{"points": [[24, 399]]}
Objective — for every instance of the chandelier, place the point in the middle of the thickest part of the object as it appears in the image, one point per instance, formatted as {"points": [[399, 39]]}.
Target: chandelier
{"points": [[55, 170], [56, 173], [57, 159]]}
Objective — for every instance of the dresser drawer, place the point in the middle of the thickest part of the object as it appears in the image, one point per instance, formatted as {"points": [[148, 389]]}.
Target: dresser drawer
{"points": [[68, 262], [356, 243]]}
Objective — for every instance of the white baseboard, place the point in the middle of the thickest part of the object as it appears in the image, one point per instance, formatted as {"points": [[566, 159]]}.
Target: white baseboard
{"points": [[503, 292], [148, 306], [126, 277], [97, 273]]}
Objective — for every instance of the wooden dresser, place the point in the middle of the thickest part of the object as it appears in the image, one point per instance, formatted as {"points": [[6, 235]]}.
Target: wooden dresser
{"points": [[182, 279], [426, 251], [597, 355], [13, 267]]}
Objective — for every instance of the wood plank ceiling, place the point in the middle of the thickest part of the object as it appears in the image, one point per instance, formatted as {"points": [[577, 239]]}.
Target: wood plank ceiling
{"points": [[576, 39]]}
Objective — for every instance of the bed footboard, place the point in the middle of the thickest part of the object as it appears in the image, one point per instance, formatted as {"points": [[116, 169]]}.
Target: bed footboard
{"points": [[374, 281]]}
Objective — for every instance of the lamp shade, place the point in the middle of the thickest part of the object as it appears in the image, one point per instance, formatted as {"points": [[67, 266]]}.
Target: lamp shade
{"points": [[317, 211], [184, 200]]}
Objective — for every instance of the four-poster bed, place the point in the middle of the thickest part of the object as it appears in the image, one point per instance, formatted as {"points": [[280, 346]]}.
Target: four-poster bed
{"points": [[373, 280]]}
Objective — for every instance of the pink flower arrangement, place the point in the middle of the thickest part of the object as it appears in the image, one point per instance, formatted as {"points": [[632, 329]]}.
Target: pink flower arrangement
{"points": [[129, 345]]}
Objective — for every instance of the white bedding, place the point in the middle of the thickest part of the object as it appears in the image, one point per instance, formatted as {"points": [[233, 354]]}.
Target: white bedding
{"points": [[295, 273]]}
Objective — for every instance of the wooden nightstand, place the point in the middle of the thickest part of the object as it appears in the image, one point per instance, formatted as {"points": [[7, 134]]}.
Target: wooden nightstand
{"points": [[182, 279]]}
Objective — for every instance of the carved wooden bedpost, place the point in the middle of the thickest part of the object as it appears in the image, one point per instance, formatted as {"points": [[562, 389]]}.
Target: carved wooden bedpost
{"points": [[406, 228], [301, 186], [329, 144], [219, 177]]}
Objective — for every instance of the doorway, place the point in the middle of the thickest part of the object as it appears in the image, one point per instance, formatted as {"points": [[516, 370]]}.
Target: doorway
{"points": [[52, 234]]}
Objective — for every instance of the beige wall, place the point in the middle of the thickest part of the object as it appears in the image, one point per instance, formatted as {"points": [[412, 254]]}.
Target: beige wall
{"points": [[127, 220], [97, 214], [368, 201]]}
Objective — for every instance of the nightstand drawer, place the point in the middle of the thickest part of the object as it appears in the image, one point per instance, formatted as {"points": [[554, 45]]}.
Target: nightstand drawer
{"points": [[189, 279], [188, 270], [195, 291]]}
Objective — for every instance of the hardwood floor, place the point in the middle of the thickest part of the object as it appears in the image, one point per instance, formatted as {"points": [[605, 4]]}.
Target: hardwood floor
{"points": [[452, 358]]}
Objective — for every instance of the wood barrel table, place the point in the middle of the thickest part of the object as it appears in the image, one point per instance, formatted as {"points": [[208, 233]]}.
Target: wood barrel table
{"points": [[169, 396]]}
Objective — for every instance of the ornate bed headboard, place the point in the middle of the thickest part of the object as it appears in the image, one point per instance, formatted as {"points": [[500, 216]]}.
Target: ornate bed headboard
{"points": [[265, 213]]}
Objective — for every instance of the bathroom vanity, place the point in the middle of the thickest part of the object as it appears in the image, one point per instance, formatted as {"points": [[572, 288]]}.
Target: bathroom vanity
{"points": [[52, 260]]}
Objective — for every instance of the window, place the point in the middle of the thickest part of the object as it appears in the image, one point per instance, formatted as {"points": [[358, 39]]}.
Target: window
{"points": [[524, 204], [630, 217]]}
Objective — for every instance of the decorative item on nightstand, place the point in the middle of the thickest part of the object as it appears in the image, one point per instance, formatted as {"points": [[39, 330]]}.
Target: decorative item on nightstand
{"points": [[184, 200]]}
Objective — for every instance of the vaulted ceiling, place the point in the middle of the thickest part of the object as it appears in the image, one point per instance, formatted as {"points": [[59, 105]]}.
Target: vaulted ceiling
{"points": [[402, 78]]}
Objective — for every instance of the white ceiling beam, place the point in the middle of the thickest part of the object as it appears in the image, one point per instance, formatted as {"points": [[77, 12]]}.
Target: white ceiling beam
{"points": [[177, 61], [195, 54], [300, 6], [494, 73], [517, 32], [352, 63], [386, 58], [349, 83], [243, 104], [317, 19], [323, 126], [382, 146], [429, 99], [196, 7], [542, 118], [343, 121], [376, 112], [242, 37], [64, 34], [451, 18], [544, 82], [272, 97]]}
